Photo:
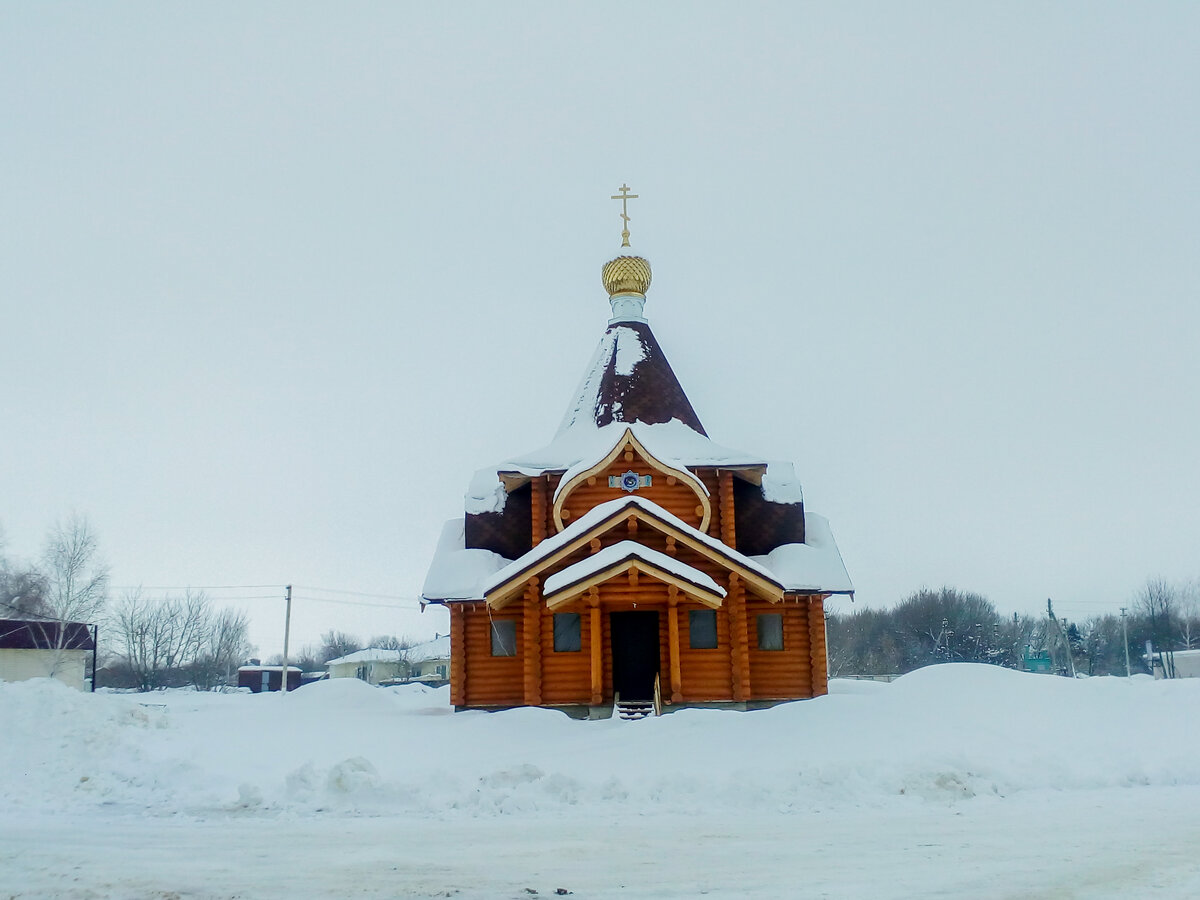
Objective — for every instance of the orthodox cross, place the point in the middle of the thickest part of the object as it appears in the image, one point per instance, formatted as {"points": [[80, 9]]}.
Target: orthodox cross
{"points": [[624, 197]]}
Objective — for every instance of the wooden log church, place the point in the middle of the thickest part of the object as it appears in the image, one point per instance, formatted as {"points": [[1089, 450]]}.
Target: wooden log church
{"points": [[634, 564]]}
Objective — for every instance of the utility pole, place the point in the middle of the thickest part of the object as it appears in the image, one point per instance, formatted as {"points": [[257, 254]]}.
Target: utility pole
{"points": [[287, 630], [1062, 635], [95, 650], [1125, 633]]}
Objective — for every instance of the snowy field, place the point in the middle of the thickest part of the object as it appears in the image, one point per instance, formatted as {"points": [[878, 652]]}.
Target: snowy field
{"points": [[955, 781]]}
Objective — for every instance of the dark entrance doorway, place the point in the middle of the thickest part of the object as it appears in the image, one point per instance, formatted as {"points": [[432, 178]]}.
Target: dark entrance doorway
{"points": [[634, 654]]}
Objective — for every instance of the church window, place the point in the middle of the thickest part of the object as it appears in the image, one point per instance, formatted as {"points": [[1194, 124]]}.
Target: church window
{"points": [[770, 631], [702, 629], [566, 633], [504, 637]]}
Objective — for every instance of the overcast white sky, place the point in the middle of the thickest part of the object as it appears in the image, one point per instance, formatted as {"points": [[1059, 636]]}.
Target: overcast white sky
{"points": [[276, 278]]}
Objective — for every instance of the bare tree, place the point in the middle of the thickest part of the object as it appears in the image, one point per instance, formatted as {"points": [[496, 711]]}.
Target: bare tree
{"points": [[76, 581], [22, 588], [226, 643], [76, 576], [161, 638], [1189, 615], [22, 592], [306, 659], [336, 644], [1158, 603]]}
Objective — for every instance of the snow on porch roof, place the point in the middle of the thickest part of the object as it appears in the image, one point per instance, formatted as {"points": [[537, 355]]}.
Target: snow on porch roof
{"points": [[615, 509], [626, 550]]}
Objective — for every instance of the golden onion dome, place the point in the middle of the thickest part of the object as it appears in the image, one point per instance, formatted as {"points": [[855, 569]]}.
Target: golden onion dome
{"points": [[626, 275]]}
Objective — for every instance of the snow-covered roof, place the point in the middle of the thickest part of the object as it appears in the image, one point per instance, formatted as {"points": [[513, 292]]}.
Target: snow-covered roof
{"points": [[780, 484], [622, 552], [267, 668], [815, 565], [485, 494], [609, 510], [672, 443], [371, 654], [457, 573], [438, 648]]}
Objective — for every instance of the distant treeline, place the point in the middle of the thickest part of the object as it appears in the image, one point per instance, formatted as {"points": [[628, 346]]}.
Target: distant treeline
{"points": [[949, 625]]}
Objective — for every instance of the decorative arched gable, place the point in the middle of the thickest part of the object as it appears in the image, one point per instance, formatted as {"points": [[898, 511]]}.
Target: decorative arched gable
{"points": [[680, 492]]}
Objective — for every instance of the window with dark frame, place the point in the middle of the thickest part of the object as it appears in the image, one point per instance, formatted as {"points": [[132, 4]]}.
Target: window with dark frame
{"points": [[770, 631], [504, 637], [566, 633], [702, 629]]}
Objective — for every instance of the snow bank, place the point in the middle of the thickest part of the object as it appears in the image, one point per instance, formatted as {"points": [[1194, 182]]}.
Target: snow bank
{"points": [[942, 733]]}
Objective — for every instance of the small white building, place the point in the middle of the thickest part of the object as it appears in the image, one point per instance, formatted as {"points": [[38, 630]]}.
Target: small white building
{"points": [[372, 665], [46, 649], [1187, 664]]}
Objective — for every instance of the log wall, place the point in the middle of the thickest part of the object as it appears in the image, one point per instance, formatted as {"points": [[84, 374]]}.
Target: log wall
{"points": [[566, 677], [817, 645], [492, 680], [780, 674], [707, 674], [735, 670]]}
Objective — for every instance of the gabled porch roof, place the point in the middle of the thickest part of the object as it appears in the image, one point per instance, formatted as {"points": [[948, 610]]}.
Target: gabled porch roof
{"points": [[566, 585], [511, 580]]}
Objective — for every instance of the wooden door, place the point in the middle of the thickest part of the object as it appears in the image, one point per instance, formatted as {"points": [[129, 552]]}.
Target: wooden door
{"points": [[635, 654]]}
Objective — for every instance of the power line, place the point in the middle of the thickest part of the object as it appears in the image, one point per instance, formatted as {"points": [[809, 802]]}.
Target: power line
{"points": [[223, 599], [303, 592], [407, 603], [196, 587], [306, 587]]}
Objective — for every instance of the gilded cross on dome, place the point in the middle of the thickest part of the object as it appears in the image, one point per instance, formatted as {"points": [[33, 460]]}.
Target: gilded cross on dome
{"points": [[624, 197]]}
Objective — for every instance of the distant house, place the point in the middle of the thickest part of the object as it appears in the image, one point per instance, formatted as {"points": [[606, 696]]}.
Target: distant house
{"points": [[427, 663], [430, 662], [372, 665], [32, 648], [267, 678]]}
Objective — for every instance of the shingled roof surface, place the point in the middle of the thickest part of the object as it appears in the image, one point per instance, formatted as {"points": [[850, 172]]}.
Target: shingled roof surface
{"points": [[630, 380], [27, 634]]}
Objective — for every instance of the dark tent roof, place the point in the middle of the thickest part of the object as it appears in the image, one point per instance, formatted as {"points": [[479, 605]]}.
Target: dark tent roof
{"points": [[630, 380]]}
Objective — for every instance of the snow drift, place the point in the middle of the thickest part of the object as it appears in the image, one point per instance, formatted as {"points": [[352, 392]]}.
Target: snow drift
{"points": [[942, 733]]}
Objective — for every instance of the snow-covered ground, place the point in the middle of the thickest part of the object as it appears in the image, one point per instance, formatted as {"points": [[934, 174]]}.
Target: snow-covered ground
{"points": [[954, 781]]}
